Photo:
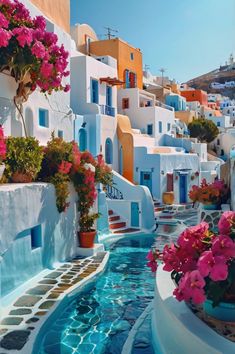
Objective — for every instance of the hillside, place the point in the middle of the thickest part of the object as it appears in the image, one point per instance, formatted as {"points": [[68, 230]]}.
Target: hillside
{"points": [[225, 74]]}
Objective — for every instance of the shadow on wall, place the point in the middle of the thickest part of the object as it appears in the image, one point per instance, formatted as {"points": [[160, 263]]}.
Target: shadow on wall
{"points": [[59, 229]]}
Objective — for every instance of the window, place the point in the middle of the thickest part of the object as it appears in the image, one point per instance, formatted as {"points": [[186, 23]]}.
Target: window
{"points": [[218, 124], [94, 91], [132, 56], [109, 96], [170, 183], [125, 103], [60, 134], [130, 79], [36, 237], [210, 114], [222, 152], [218, 142], [43, 117], [160, 127], [149, 129], [168, 127]]}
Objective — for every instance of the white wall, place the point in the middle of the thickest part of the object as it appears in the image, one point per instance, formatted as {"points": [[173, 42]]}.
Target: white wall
{"points": [[140, 117], [22, 207], [83, 68], [161, 164], [58, 104], [223, 121]]}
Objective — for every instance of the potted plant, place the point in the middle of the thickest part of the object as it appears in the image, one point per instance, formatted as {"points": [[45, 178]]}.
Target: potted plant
{"points": [[23, 159], [29, 53], [210, 195], [3, 151], [202, 264], [85, 175]]}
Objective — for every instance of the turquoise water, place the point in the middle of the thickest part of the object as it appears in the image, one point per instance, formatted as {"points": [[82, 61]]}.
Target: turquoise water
{"points": [[99, 321]]}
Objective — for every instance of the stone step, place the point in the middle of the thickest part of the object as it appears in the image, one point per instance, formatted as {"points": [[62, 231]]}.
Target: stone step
{"points": [[114, 218], [117, 225], [125, 231]]}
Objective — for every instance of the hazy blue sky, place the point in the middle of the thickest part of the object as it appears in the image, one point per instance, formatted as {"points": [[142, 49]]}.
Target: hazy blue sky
{"points": [[187, 37]]}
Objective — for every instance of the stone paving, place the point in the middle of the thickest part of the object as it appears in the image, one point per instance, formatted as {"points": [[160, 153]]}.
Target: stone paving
{"points": [[36, 302]]}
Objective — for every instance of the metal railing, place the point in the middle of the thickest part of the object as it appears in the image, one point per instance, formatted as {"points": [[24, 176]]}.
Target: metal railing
{"points": [[113, 193], [107, 110]]}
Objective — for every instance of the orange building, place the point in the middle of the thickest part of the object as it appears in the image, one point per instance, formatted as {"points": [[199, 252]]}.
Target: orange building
{"points": [[58, 13], [129, 60], [195, 95]]}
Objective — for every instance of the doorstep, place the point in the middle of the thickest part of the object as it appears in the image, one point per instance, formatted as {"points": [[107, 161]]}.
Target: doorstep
{"points": [[88, 252]]}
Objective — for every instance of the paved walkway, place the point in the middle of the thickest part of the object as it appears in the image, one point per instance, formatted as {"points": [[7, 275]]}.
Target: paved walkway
{"points": [[28, 311]]}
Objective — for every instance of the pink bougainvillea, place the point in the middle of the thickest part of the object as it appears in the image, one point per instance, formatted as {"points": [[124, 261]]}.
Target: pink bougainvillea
{"points": [[202, 261], [42, 59]]}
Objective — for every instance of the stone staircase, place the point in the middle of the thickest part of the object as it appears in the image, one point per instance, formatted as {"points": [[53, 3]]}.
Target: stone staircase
{"points": [[118, 226]]}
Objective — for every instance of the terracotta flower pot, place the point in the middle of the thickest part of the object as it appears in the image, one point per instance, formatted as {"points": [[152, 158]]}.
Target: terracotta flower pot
{"points": [[19, 177], [86, 239]]}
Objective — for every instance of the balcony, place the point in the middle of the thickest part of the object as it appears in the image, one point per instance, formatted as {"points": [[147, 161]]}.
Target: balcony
{"points": [[107, 110]]}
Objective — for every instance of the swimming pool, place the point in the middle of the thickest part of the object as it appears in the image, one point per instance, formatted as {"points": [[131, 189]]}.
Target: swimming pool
{"points": [[100, 320]]}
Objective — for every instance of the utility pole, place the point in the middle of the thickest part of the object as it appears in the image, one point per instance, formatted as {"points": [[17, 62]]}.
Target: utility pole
{"points": [[162, 70], [110, 32]]}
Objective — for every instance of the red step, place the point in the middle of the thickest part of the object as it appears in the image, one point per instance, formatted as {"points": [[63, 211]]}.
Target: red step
{"points": [[114, 218], [126, 231], [117, 225], [110, 212]]}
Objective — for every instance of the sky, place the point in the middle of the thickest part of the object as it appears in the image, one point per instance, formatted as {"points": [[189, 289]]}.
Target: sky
{"points": [[186, 37]]}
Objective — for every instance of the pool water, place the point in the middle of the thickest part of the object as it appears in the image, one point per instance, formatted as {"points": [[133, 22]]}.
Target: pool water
{"points": [[100, 320]]}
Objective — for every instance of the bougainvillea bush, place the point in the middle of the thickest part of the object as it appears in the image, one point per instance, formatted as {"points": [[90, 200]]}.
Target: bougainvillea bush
{"points": [[63, 163], [29, 53], [209, 193], [201, 262]]}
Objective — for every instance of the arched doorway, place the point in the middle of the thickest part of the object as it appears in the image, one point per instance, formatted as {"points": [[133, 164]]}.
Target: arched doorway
{"points": [[82, 138], [109, 151]]}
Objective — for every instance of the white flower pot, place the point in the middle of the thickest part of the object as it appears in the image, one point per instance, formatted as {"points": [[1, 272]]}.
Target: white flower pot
{"points": [[2, 168]]}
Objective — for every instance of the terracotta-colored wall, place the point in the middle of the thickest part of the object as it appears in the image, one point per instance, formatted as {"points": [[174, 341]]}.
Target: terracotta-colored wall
{"points": [[56, 10], [121, 51], [195, 95]]}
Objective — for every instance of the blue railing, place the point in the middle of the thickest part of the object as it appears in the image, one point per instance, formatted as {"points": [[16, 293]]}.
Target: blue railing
{"points": [[107, 110]]}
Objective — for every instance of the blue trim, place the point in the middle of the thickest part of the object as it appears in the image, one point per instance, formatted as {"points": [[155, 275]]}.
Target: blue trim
{"points": [[94, 91], [43, 117]]}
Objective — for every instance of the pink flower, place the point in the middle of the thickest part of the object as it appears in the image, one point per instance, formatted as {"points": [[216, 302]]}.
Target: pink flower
{"points": [[213, 266], [67, 88], [152, 265], [150, 256], [40, 22], [191, 240], [64, 167], [46, 69], [50, 38], [170, 258], [223, 246], [23, 35], [5, 36], [38, 50], [226, 222], [191, 288], [3, 21], [3, 148]]}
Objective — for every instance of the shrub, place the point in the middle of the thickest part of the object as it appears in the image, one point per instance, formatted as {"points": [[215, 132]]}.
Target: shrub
{"points": [[24, 158]]}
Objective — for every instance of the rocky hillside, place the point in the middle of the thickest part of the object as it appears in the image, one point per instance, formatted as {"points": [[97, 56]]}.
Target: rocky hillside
{"points": [[207, 82]]}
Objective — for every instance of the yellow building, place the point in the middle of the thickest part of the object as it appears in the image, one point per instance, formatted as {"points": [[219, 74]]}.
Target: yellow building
{"points": [[58, 13], [129, 60]]}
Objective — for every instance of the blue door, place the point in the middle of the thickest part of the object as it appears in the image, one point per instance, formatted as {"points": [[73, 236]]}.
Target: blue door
{"points": [[146, 179], [109, 96], [183, 188], [135, 214], [82, 140]]}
